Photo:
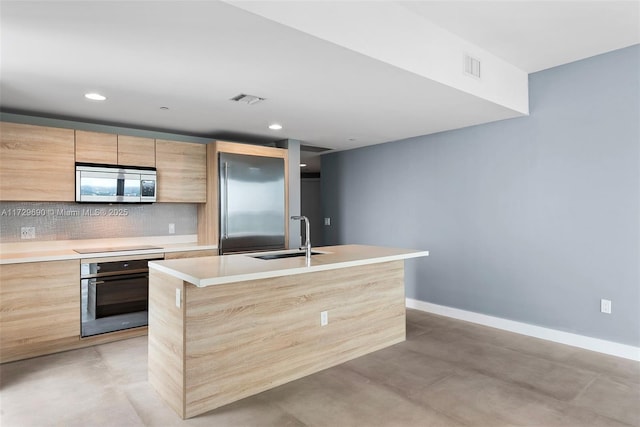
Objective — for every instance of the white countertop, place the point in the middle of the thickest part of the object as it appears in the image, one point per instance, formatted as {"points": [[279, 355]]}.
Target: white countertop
{"points": [[21, 252], [218, 270]]}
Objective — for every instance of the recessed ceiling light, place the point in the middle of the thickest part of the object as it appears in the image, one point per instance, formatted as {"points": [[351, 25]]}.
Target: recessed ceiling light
{"points": [[95, 96], [303, 165], [275, 126]]}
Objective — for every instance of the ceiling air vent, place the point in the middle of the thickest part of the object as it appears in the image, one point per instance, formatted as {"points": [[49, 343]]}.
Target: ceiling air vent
{"points": [[249, 99], [471, 66]]}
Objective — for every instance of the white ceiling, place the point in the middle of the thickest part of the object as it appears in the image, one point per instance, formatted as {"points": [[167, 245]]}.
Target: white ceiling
{"points": [[536, 35], [193, 56]]}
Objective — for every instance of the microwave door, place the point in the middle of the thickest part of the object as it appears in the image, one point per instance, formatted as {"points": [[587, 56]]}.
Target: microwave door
{"points": [[130, 187], [98, 186], [109, 187]]}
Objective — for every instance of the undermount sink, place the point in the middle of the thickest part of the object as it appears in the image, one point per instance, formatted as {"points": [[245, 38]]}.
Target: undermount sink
{"points": [[284, 255]]}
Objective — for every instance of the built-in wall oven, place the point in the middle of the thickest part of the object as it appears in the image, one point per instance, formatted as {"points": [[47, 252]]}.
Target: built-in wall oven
{"points": [[114, 293]]}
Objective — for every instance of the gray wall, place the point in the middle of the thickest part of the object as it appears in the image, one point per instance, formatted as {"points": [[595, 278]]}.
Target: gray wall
{"points": [[533, 219], [311, 207]]}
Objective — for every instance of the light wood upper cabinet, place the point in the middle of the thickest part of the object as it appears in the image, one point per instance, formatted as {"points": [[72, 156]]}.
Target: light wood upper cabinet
{"points": [[182, 171], [112, 149], [39, 308], [36, 163], [136, 151], [96, 147]]}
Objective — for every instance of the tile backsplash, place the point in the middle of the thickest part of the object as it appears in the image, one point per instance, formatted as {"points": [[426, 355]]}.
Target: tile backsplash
{"points": [[74, 221]]}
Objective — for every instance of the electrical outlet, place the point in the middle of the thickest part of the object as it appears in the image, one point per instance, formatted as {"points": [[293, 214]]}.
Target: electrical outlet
{"points": [[172, 229], [27, 232], [605, 306], [324, 318], [327, 221]]}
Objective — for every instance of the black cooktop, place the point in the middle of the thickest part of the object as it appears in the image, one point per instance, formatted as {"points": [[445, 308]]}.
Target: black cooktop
{"points": [[116, 249]]}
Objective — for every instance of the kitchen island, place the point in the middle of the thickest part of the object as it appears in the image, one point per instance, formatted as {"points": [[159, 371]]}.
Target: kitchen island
{"points": [[228, 327]]}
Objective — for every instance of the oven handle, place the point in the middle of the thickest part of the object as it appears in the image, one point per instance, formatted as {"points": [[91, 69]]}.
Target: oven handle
{"points": [[115, 273], [115, 278]]}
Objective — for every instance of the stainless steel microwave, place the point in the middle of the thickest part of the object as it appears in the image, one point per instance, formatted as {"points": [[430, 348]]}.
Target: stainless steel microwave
{"points": [[97, 183]]}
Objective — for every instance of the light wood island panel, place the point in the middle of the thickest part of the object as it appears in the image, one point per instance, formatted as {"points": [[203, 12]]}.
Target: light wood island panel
{"points": [[166, 361], [230, 341]]}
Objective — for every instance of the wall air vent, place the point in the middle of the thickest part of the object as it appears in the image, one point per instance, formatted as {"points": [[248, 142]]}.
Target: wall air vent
{"points": [[471, 66], [248, 99]]}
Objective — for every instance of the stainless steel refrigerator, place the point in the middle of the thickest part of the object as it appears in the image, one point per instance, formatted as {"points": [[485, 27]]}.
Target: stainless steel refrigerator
{"points": [[252, 203]]}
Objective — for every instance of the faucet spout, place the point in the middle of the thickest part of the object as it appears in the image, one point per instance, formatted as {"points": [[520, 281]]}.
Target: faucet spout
{"points": [[307, 243]]}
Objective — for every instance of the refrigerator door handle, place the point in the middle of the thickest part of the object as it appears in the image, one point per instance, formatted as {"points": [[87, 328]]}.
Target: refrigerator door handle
{"points": [[226, 200]]}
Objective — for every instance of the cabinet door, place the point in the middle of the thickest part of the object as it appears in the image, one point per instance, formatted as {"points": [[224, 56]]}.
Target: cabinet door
{"points": [[182, 171], [36, 163], [39, 308], [136, 151], [96, 147]]}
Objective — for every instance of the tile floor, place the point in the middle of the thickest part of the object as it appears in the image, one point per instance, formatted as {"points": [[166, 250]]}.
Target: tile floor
{"points": [[447, 373]]}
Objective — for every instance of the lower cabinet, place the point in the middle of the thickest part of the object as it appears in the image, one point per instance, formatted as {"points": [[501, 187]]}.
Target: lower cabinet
{"points": [[39, 308]]}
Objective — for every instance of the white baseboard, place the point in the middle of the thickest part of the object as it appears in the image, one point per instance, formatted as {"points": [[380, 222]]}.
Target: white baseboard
{"points": [[575, 340]]}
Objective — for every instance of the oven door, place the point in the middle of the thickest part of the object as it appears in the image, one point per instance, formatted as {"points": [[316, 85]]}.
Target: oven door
{"points": [[114, 303]]}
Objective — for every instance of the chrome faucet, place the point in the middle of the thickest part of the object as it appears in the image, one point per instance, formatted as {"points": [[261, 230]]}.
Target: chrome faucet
{"points": [[307, 243]]}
